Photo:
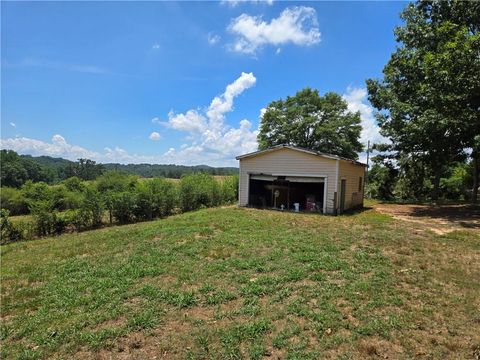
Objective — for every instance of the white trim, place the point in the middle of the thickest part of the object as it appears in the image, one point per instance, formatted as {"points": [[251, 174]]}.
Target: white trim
{"points": [[301, 175], [325, 191], [311, 152], [337, 166], [295, 174]]}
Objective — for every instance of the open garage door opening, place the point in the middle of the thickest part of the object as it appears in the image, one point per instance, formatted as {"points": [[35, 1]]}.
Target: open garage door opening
{"points": [[283, 192]]}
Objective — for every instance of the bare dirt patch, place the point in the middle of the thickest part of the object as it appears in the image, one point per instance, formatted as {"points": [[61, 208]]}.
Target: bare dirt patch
{"points": [[441, 219]]}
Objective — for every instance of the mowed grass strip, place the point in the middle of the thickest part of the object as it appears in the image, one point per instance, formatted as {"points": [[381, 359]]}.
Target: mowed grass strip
{"points": [[230, 283]]}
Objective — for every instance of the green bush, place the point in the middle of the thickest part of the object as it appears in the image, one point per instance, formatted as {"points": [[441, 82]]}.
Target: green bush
{"points": [[46, 219], [197, 191], [123, 207], [8, 232], [39, 191], [90, 212], [166, 196], [74, 184], [115, 181], [229, 190], [14, 201]]}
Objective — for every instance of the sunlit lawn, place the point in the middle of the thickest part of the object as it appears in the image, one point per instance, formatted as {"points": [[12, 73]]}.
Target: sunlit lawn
{"points": [[231, 283]]}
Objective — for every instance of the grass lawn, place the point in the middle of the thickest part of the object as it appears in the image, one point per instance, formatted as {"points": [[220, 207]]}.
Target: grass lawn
{"points": [[231, 283]]}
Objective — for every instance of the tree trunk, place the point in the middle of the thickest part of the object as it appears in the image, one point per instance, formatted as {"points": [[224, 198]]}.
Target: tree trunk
{"points": [[436, 184], [476, 172]]}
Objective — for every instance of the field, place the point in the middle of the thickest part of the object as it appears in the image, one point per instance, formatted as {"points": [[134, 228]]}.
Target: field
{"points": [[229, 283]]}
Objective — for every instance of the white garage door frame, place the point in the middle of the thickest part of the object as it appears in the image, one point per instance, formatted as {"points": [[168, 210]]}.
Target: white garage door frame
{"points": [[271, 177]]}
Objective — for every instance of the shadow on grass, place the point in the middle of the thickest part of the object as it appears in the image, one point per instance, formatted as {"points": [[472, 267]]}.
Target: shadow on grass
{"points": [[461, 214]]}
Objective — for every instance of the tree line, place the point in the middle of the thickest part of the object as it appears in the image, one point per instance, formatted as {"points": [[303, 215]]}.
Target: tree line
{"points": [[113, 198], [17, 169]]}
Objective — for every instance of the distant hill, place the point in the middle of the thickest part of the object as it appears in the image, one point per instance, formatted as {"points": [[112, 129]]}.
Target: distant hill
{"points": [[17, 169], [142, 170], [170, 170]]}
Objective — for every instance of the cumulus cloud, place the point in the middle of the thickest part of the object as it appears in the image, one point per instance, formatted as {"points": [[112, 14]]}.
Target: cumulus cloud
{"points": [[155, 136], [213, 38], [210, 137], [192, 121], [12, 124], [58, 147], [356, 99], [296, 25], [210, 140], [234, 3]]}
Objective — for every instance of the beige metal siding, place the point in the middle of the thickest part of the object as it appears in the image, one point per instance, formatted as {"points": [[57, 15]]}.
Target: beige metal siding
{"points": [[351, 173], [287, 162]]}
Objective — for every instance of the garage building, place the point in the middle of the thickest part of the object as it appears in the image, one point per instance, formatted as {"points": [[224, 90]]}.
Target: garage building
{"points": [[284, 176]]}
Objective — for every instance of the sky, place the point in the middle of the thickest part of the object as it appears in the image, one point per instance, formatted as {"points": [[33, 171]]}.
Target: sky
{"points": [[178, 82]]}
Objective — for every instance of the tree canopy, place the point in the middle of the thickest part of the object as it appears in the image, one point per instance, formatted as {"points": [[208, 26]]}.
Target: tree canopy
{"points": [[429, 97], [308, 120]]}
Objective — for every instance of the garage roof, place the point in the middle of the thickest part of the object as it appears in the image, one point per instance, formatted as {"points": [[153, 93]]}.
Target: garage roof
{"points": [[312, 152]]}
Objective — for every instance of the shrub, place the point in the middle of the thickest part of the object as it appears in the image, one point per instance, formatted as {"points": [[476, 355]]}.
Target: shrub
{"points": [[74, 184], [39, 191], [123, 207], [144, 201], [115, 181], [198, 190], [229, 190], [90, 212], [164, 196], [8, 232], [46, 220], [14, 201]]}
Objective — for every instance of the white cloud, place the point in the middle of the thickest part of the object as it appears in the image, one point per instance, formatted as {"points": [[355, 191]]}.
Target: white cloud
{"points": [[213, 38], [191, 121], [234, 3], [356, 99], [297, 25], [155, 46], [211, 139], [12, 124], [224, 103], [58, 147], [155, 136]]}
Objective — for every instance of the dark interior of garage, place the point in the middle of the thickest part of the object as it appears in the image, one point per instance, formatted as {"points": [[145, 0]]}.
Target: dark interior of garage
{"points": [[275, 193]]}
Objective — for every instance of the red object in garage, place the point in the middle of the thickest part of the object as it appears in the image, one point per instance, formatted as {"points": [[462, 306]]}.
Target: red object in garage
{"points": [[310, 203]]}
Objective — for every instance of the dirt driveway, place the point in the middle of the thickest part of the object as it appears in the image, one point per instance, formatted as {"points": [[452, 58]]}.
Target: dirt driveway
{"points": [[439, 218]]}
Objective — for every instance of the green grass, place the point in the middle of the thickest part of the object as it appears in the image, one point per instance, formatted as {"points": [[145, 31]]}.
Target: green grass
{"points": [[231, 283]]}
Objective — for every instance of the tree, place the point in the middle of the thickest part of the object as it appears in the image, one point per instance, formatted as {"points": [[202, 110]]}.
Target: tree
{"points": [[17, 170], [308, 120], [429, 97]]}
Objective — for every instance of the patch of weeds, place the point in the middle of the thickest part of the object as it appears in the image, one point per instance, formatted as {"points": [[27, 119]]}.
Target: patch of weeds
{"points": [[146, 319], [219, 297]]}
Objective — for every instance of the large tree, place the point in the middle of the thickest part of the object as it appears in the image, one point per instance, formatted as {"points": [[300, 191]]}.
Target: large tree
{"points": [[429, 97], [308, 120]]}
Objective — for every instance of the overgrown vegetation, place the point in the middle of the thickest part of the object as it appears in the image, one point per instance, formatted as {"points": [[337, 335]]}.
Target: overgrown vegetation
{"points": [[232, 283], [76, 205], [18, 169]]}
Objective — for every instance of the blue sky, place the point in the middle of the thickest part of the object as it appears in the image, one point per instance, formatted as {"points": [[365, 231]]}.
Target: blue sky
{"points": [[177, 82]]}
